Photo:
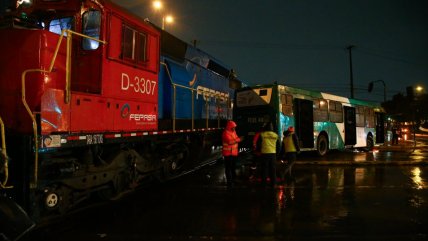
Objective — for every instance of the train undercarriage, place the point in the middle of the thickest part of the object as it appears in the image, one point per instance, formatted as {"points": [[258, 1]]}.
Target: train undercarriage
{"points": [[69, 176]]}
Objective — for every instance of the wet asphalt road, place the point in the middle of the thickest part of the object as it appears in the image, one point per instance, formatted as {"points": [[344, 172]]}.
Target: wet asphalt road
{"points": [[326, 202]]}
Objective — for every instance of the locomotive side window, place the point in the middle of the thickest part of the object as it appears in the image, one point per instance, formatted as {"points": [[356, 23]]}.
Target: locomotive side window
{"points": [[134, 46], [57, 25], [91, 27], [128, 43], [142, 46]]}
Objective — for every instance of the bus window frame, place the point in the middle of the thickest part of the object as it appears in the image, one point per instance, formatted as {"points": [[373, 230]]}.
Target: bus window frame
{"points": [[360, 116], [320, 110], [287, 104], [369, 114], [335, 111]]}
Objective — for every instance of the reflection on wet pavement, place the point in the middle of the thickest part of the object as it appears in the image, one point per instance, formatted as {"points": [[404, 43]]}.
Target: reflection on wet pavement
{"points": [[323, 203]]}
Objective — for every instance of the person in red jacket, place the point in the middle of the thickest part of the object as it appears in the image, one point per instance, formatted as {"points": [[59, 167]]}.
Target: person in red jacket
{"points": [[230, 151]]}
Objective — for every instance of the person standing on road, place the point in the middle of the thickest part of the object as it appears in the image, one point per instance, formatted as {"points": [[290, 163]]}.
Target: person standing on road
{"points": [[268, 154], [257, 147], [289, 150], [394, 135], [230, 151]]}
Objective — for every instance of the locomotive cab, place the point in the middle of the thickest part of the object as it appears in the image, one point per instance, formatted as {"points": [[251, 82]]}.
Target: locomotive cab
{"points": [[90, 107]]}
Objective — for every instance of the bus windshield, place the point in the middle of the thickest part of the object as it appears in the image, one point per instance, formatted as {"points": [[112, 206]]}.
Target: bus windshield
{"points": [[253, 97]]}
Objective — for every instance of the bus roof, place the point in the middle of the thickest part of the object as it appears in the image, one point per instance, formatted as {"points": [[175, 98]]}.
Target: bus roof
{"points": [[318, 94]]}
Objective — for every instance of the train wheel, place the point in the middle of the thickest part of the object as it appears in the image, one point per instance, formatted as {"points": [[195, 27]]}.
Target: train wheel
{"points": [[322, 145], [179, 156], [122, 182], [58, 199]]}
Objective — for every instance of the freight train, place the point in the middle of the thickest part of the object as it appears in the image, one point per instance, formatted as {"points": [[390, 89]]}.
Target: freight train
{"points": [[95, 100]]}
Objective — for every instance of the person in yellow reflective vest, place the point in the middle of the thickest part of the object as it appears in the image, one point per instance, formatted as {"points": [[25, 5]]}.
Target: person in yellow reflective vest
{"points": [[289, 150], [230, 151], [268, 154]]}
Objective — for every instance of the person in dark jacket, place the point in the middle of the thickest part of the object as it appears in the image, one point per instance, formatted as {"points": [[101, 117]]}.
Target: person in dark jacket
{"points": [[289, 150]]}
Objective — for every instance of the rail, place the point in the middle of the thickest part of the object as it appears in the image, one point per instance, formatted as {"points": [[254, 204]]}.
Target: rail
{"points": [[67, 88]]}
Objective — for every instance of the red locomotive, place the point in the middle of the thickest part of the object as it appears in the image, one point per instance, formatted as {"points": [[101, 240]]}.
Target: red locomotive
{"points": [[94, 100]]}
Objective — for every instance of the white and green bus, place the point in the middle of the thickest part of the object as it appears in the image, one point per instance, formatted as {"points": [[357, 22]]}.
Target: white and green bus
{"points": [[322, 121]]}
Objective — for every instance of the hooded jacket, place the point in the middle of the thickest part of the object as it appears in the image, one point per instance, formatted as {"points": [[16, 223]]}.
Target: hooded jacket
{"points": [[230, 140]]}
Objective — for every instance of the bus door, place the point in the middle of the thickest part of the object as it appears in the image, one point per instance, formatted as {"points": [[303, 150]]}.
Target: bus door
{"points": [[380, 127], [304, 121], [350, 126]]}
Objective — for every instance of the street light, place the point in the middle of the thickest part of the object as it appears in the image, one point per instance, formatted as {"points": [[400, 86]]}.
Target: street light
{"points": [[370, 88], [158, 6], [414, 100], [166, 19]]}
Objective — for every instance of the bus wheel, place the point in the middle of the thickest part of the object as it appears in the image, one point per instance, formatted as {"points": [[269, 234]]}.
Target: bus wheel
{"points": [[322, 145], [370, 143]]}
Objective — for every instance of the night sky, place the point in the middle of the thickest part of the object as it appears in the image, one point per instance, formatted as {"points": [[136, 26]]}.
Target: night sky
{"points": [[304, 43]]}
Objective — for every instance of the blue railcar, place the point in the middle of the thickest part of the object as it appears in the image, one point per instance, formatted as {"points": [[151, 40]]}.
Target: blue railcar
{"points": [[195, 89]]}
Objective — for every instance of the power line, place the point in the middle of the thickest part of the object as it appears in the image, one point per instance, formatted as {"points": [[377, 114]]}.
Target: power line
{"points": [[264, 45], [388, 57]]}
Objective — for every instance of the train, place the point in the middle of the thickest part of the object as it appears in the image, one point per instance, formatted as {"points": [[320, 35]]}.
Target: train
{"points": [[95, 100]]}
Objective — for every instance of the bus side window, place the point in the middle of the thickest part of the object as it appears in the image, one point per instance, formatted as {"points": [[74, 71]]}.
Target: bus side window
{"points": [[370, 117], [287, 104], [336, 111], [320, 110], [359, 115], [91, 27]]}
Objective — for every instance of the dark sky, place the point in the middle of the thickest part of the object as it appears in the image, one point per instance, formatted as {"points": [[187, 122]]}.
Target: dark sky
{"points": [[303, 43]]}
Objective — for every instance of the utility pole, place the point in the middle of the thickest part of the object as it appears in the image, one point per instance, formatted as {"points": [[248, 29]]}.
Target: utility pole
{"points": [[350, 70], [194, 42], [384, 88]]}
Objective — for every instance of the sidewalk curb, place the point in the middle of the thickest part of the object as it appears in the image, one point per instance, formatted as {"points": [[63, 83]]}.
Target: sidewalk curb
{"points": [[364, 163], [398, 148]]}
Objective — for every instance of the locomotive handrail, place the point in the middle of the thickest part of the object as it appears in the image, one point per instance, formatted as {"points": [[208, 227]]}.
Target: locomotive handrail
{"points": [[175, 95], [4, 154], [192, 90], [67, 88]]}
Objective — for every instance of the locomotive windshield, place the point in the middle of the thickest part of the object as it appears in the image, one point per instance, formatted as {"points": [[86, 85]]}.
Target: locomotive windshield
{"points": [[91, 27], [57, 25]]}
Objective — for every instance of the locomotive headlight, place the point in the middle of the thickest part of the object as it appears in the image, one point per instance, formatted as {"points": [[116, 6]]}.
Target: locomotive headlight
{"points": [[47, 79]]}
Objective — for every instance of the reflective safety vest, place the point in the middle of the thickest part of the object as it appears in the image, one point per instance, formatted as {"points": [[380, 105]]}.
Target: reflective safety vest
{"points": [[230, 143], [289, 144], [269, 139], [230, 140]]}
